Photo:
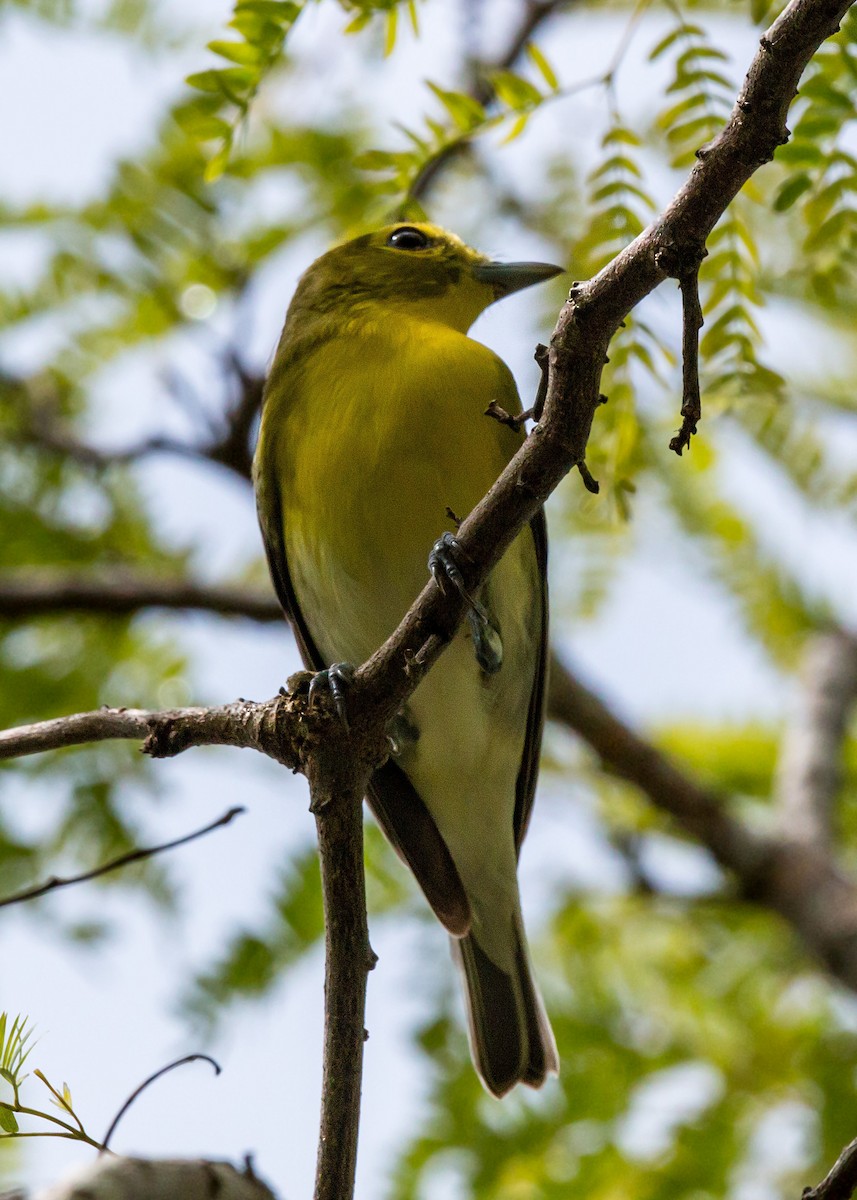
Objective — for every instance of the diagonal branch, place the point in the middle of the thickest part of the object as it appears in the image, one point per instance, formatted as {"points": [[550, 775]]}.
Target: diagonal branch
{"points": [[840, 1182], [116, 864], [592, 314], [798, 880]]}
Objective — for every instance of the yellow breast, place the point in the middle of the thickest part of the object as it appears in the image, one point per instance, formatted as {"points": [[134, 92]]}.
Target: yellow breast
{"points": [[382, 435]]}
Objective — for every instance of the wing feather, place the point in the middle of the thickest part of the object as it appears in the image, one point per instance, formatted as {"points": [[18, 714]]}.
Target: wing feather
{"points": [[395, 803], [525, 788]]}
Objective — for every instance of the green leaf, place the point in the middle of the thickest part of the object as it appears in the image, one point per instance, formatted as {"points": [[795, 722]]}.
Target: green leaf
{"points": [[283, 12], [670, 115], [391, 25], [8, 1122], [618, 135], [205, 81], [217, 164], [514, 91], [200, 124], [359, 22], [237, 52], [681, 31], [791, 191], [466, 113], [542, 66], [376, 160], [518, 127]]}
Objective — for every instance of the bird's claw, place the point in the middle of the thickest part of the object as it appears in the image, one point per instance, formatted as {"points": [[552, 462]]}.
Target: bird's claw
{"points": [[334, 680], [443, 565], [444, 568]]}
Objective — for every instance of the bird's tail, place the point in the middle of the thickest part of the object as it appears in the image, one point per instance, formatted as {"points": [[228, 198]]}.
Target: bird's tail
{"points": [[511, 1040]]}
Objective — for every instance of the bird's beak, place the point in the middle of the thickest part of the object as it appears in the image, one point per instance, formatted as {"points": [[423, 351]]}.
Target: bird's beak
{"points": [[506, 278]]}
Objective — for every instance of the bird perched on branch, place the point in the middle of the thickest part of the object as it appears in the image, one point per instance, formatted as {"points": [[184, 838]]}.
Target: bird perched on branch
{"points": [[374, 434]]}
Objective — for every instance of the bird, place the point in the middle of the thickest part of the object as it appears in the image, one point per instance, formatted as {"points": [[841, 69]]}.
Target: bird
{"points": [[374, 443]]}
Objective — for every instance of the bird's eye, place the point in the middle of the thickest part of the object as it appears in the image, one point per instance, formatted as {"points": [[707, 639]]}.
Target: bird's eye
{"points": [[408, 238]]}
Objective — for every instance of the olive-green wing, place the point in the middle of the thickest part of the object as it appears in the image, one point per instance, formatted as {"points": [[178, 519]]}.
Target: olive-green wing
{"points": [[271, 523], [397, 806], [525, 787]]}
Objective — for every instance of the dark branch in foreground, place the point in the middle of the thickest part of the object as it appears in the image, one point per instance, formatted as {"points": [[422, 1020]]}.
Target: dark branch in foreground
{"points": [[840, 1181], [579, 345], [338, 778], [124, 860], [692, 321]]}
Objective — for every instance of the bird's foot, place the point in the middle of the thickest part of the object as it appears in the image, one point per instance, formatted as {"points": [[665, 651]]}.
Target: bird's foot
{"points": [[443, 563], [335, 680], [444, 566]]}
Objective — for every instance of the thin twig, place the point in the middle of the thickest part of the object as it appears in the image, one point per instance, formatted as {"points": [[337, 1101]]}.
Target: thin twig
{"points": [[692, 322], [179, 1062], [534, 15], [124, 860], [229, 446], [66, 445]]}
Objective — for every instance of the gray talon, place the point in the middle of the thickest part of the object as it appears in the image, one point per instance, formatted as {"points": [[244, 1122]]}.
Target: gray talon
{"points": [[444, 569], [335, 680], [443, 564]]}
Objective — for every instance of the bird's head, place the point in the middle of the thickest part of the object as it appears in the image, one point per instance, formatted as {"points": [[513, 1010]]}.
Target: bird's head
{"points": [[416, 268]]}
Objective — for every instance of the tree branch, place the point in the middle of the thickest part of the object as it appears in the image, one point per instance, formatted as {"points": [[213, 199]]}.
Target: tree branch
{"points": [[124, 860], [589, 319], [277, 728], [339, 776], [228, 445], [123, 595], [799, 881], [840, 1181], [809, 773]]}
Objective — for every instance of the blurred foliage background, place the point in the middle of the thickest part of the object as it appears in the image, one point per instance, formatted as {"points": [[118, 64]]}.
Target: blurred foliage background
{"points": [[705, 1053]]}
